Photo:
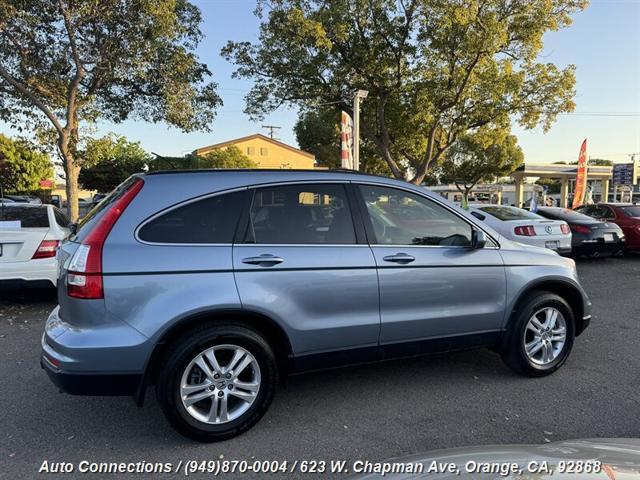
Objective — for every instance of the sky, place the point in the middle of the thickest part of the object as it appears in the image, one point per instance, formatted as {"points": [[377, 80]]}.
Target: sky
{"points": [[603, 43]]}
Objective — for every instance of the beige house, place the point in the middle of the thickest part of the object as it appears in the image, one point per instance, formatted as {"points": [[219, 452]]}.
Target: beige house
{"points": [[266, 152]]}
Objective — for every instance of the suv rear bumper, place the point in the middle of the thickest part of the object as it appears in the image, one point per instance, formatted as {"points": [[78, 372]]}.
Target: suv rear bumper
{"points": [[90, 384], [106, 359]]}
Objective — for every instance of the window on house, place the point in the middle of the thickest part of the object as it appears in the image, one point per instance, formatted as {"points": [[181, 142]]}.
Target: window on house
{"points": [[263, 152], [251, 150]]}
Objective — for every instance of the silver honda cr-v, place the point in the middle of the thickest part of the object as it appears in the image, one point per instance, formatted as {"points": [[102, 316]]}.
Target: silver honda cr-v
{"points": [[212, 284]]}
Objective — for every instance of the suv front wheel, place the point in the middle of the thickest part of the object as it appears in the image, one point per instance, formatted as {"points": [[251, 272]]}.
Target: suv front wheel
{"points": [[541, 335], [217, 381]]}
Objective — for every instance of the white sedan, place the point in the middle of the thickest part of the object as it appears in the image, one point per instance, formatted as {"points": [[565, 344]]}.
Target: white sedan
{"points": [[525, 227], [29, 238]]}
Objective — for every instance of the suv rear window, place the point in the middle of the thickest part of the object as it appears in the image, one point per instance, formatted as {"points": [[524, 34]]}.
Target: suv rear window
{"points": [[210, 220], [30, 217]]}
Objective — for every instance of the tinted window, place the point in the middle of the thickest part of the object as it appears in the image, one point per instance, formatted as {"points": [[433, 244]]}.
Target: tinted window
{"points": [[509, 213], [403, 218], [30, 217], [210, 220], [301, 214], [61, 218], [631, 211]]}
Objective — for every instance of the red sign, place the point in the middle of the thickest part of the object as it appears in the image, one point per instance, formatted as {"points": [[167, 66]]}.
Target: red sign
{"points": [[581, 177], [44, 183]]}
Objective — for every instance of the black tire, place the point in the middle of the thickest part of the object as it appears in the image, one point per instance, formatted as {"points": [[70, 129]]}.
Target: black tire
{"points": [[185, 349], [513, 346]]}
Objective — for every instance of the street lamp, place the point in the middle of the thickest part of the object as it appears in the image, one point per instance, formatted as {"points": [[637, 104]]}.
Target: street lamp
{"points": [[359, 95]]}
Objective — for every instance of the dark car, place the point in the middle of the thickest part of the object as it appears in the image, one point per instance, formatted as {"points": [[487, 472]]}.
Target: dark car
{"points": [[625, 215], [589, 236]]}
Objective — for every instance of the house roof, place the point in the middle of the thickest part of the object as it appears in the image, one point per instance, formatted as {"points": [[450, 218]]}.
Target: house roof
{"points": [[252, 137]]}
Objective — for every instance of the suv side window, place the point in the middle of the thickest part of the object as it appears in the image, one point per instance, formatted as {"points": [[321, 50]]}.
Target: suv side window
{"points": [[210, 220], [301, 214], [402, 218]]}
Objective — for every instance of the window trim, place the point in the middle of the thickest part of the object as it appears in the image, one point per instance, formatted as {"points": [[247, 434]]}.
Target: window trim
{"points": [[136, 233], [356, 218], [371, 233]]}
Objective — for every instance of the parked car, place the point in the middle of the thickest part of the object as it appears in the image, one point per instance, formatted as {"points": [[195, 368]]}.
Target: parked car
{"points": [[212, 284], [590, 237], [97, 198], [24, 199], [29, 237], [625, 215], [524, 226]]}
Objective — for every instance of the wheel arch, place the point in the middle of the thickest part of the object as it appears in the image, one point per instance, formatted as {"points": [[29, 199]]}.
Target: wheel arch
{"points": [[567, 291], [274, 334]]}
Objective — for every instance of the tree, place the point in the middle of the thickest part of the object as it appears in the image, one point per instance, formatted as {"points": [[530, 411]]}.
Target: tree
{"points": [[480, 157], [229, 157], [318, 132], [110, 160], [22, 166], [65, 64], [434, 69]]}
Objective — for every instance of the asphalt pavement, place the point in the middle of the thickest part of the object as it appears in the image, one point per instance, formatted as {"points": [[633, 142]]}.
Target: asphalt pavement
{"points": [[371, 412]]}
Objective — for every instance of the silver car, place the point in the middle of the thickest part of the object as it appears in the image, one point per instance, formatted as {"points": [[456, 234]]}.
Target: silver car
{"points": [[209, 285]]}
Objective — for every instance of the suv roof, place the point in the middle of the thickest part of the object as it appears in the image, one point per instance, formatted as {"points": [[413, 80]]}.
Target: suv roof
{"points": [[270, 170]]}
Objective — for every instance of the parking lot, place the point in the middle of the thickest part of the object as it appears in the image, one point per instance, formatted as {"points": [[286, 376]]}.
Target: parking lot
{"points": [[371, 412]]}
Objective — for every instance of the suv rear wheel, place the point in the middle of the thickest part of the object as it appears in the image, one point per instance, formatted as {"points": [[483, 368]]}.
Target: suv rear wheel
{"points": [[541, 335], [217, 381]]}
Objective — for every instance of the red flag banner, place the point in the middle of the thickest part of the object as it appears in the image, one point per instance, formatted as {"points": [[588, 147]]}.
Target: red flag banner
{"points": [[581, 177], [346, 141]]}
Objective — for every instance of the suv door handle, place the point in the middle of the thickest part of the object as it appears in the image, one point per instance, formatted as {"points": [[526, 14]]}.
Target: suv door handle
{"points": [[399, 258], [264, 260]]}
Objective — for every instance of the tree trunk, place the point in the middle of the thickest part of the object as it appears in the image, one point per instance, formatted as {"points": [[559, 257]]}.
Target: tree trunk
{"points": [[72, 172]]}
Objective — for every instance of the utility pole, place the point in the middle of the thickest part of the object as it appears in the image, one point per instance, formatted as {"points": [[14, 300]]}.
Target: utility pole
{"points": [[359, 95], [272, 129]]}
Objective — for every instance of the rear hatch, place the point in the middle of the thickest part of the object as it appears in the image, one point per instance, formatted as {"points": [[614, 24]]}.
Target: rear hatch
{"points": [[22, 229], [80, 276]]}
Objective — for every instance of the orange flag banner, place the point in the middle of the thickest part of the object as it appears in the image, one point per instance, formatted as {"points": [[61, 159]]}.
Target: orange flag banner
{"points": [[581, 177]]}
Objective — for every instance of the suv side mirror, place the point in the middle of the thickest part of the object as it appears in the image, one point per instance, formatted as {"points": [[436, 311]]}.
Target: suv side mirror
{"points": [[478, 238]]}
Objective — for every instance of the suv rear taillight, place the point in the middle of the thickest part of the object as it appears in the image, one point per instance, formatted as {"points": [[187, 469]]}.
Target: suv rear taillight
{"points": [[84, 278], [526, 231], [46, 249], [564, 228]]}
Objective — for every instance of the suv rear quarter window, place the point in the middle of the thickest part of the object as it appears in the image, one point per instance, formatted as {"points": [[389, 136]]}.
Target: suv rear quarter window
{"points": [[209, 220]]}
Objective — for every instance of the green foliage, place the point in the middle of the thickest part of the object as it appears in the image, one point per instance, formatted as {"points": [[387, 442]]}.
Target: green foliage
{"points": [[553, 185], [480, 156], [229, 157], [318, 132], [66, 64], [434, 69], [110, 160], [22, 166]]}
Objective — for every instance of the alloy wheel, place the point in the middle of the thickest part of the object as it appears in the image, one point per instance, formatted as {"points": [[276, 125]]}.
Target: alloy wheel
{"points": [[220, 384], [545, 336]]}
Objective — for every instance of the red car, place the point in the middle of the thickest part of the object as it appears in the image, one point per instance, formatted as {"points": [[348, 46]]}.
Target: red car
{"points": [[625, 215]]}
